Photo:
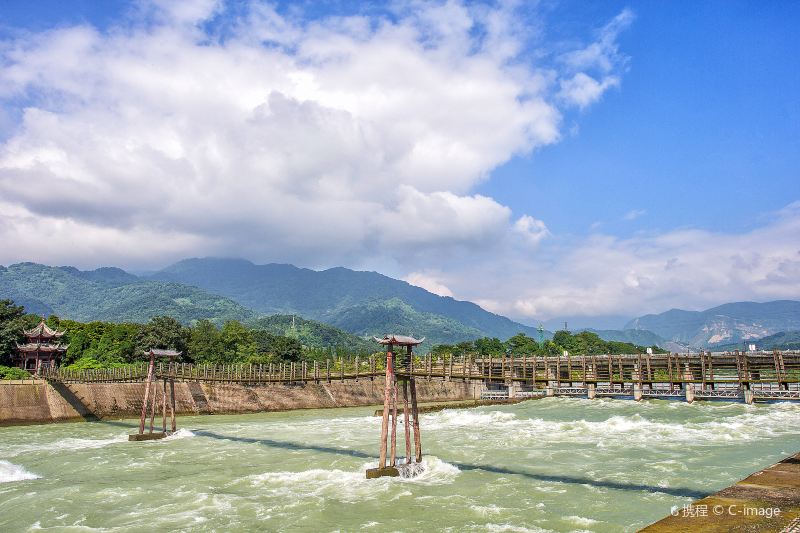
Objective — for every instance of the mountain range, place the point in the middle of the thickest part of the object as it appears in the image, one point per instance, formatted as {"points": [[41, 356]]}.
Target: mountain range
{"points": [[340, 301], [359, 303], [725, 324]]}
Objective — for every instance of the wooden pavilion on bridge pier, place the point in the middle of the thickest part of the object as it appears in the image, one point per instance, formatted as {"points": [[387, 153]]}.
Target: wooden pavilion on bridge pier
{"points": [[151, 399], [410, 412]]}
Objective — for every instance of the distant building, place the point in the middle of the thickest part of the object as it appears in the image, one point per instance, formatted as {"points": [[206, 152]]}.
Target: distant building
{"points": [[41, 349]]}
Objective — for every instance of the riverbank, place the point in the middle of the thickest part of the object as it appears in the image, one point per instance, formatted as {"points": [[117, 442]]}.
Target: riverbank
{"points": [[766, 501], [38, 402]]}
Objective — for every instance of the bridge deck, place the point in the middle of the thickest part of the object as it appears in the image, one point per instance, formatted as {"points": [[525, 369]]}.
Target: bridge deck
{"points": [[773, 375]]}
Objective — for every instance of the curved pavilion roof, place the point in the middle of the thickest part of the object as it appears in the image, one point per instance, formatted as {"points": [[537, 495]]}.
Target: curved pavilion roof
{"points": [[399, 340], [42, 332]]}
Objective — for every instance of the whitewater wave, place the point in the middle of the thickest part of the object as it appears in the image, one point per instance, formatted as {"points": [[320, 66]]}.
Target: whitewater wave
{"points": [[454, 418], [349, 486], [10, 472], [181, 434], [709, 425], [67, 444]]}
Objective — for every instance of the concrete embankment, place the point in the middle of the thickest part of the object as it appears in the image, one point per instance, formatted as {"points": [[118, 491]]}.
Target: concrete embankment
{"points": [[767, 501], [34, 402]]}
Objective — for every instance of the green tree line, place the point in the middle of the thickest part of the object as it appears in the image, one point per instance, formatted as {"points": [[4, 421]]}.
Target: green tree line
{"points": [[100, 344], [584, 342]]}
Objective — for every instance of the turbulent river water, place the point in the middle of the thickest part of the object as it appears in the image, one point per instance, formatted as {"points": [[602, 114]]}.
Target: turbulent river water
{"points": [[554, 464]]}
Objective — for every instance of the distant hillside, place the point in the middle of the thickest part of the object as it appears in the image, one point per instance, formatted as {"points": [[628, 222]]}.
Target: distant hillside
{"points": [[639, 337], [785, 340], [725, 324], [365, 303], [313, 334], [111, 294], [377, 318]]}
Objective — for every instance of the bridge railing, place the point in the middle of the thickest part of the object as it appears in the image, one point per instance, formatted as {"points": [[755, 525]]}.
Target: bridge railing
{"points": [[742, 370]]}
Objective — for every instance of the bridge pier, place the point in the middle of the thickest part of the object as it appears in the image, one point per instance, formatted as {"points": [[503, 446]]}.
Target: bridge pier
{"points": [[591, 391], [637, 383], [637, 392], [748, 397], [389, 415], [512, 389], [690, 392]]}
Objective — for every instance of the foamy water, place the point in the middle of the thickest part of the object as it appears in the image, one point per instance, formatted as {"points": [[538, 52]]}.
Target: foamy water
{"points": [[555, 464], [10, 472]]}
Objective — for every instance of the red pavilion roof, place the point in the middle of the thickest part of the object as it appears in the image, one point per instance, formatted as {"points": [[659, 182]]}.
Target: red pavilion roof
{"points": [[42, 347], [399, 340], [42, 332]]}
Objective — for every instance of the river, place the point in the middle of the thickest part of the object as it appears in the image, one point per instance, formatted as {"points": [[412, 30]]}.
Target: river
{"points": [[555, 464]]}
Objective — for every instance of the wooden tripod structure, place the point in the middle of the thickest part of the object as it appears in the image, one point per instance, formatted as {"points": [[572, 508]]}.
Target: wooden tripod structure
{"points": [[152, 399], [406, 379]]}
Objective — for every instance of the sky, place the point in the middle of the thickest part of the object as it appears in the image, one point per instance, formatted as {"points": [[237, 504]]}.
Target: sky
{"points": [[543, 159]]}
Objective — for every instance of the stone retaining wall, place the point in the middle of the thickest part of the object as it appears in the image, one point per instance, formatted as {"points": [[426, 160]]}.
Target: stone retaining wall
{"points": [[32, 402]]}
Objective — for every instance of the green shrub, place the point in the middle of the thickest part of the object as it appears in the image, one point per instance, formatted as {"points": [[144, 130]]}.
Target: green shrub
{"points": [[11, 372]]}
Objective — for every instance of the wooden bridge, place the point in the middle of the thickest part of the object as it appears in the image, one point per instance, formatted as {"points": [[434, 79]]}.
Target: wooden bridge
{"points": [[749, 376]]}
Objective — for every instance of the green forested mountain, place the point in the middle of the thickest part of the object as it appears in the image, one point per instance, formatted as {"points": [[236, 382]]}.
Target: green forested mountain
{"points": [[365, 303], [394, 315], [111, 294], [639, 337], [311, 333], [724, 324]]}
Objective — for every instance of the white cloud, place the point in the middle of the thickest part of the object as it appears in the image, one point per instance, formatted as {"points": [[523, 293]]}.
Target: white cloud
{"points": [[582, 90], [531, 229], [429, 282], [601, 274], [633, 214], [320, 142]]}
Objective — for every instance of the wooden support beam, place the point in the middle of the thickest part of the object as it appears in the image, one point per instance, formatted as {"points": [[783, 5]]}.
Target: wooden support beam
{"points": [[146, 393], [406, 421], [387, 391]]}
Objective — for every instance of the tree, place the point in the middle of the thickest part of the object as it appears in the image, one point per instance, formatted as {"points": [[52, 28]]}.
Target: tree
{"points": [[12, 321], [205, 345], [237, 342], [521, 344], [162, 332], [284, 348], [489, 346]]}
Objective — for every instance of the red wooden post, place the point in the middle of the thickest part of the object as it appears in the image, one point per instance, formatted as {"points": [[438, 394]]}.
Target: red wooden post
{"points": [[387, 391], [147, 393], [406, 421]]}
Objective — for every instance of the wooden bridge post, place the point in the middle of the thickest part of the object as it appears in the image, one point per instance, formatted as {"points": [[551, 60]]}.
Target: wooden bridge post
{"points": [[390, 394], [172, 403], [387, 391], [164, 406], [406, 417], [393, 453], [150, 370]]}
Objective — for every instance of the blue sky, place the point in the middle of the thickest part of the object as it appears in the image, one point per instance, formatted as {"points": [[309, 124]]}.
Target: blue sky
{"points": [[704, 131], [544, 160]]}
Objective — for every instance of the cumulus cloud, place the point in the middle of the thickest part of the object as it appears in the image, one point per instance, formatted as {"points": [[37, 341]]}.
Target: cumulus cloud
{"points": [[531, 229], [321, 142], [595, 66], [428, 281], [602, 274]]}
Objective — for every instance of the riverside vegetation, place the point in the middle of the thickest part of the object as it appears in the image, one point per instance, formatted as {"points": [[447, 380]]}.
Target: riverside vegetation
{"points": [[279, 338]]}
